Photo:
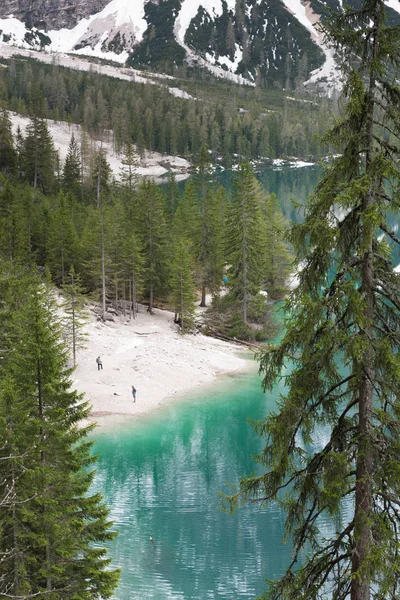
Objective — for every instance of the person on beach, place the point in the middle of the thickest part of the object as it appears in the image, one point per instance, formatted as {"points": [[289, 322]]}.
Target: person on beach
{"points": [[99, 363], [134, 393]]}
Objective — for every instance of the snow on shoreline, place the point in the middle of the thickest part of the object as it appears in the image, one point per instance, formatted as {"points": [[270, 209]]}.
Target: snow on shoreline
{"points": [[151, 354], [152, 164]]}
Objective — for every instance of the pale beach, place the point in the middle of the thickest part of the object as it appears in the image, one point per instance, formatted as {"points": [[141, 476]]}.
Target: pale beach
{"points": [[150, 353]]}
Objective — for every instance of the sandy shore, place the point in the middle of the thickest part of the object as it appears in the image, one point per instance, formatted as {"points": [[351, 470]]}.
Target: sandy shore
{"points": [[150, 353]]}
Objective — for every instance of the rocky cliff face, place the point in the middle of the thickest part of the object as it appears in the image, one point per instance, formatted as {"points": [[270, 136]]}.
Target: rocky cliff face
{"points": [[50, 14]]}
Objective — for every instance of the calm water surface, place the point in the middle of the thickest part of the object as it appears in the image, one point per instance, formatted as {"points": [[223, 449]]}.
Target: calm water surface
{"points": [[162, 476]]}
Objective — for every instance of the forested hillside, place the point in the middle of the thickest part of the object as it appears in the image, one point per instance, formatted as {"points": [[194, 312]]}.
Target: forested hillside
{"points": [[71, 226], [233, 122], [130, 241]]}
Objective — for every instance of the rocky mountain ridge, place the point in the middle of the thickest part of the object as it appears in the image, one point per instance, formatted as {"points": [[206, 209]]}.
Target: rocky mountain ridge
{"points": [[51, 14]]}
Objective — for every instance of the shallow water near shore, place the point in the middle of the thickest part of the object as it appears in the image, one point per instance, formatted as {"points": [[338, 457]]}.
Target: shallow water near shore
{"points": [[162, 476]]}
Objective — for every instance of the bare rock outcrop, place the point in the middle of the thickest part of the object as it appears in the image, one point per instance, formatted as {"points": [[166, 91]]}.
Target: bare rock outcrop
{"points": [[50, 14]]}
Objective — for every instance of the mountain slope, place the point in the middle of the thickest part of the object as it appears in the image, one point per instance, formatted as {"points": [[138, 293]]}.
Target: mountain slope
{"points": [[264, 42]]}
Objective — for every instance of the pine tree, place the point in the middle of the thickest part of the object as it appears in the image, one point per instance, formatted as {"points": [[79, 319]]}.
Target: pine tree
{"points": [[100, 174], [38, 155], [14, 231], [96, 242], [19, 148], [71, 180], [62, 248], [51, 524], [172, 194], [187, 214], [131, 264], [8, 155], [129, 165], [182, 286], [342, 340], [245, 241], [278, 259], [75, 313], [208, 232], [153, 233]]}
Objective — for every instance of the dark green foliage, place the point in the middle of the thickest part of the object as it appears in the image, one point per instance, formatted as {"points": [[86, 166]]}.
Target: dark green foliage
{"points": [[51, 525], [246, 241], [151, 117], [8, 155], [271, 41], [278, 258], [207, 226], [182, 286], [14, 223], [342, 344], [75, 313], [159, 47], [62, 247], [71, 180], [128, 169], [100, 176], [38, 156], [156, 241]]}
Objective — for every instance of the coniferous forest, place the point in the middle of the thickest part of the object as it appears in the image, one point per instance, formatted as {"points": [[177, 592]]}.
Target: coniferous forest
{"points": [[117, 243], [229, 120], [72, 226]]}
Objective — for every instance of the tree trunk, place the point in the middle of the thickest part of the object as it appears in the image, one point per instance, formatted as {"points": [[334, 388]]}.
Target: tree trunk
{"points": [[361, 562], [150, 308], [134, 299], [103, 267], [203, 296]]}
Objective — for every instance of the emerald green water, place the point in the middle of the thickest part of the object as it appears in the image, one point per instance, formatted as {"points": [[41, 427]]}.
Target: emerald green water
{"points": [[162, 475]]}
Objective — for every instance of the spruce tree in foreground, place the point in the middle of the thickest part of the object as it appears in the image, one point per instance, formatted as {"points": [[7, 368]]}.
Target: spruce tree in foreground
{"points": [[342, 343], [52, 526]]}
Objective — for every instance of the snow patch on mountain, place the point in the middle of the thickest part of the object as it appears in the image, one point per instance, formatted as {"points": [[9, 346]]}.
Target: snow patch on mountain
{"points": [[188, 11], [120, 25], [107, 34], [395, 4], [15, 32]]}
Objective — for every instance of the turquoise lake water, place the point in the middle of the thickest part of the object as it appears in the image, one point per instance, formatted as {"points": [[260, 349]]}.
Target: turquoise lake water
{"points": [[161, 476]]}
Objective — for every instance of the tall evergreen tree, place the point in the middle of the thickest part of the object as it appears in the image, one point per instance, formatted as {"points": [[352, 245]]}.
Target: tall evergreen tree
{"points": [[172, 194], [62, 242], [38, 156], [153, 232], [75, 313], [278, 259], [8, 154], [203, 183], [51, 524], [19, 148], [343, 342], [182, 287], [129, 163], [245, 240], [71, 180], [14, 233]]}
